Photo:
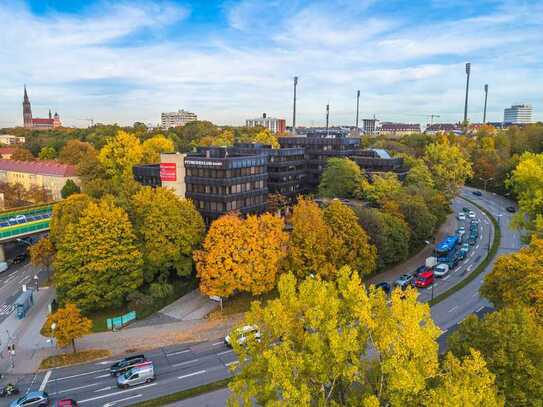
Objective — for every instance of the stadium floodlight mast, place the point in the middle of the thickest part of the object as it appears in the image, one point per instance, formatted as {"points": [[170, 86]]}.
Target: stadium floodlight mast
{"points": [[468, 70], [327, 118], [294, 108], [357, 107], [486, 98]]}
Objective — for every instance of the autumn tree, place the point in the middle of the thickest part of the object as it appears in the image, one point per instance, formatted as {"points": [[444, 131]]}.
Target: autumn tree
{"points": [[381, 189], [449, 166], [69, 188], [47, 153], [341, 178], [276, 203], [154, 146], [517, 279], [334, 343], [69, 325], [169, 229], [241, 255], [22, 154], [421, 221], [419, 174], [120, 154], [74, 151], [66, 212], [349, 241], [98, 261], [262, 136], [310, 241], [510, 342], [42, 253]]}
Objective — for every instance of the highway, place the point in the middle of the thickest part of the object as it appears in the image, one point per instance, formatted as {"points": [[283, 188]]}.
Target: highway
{"points": [[189, 365]]}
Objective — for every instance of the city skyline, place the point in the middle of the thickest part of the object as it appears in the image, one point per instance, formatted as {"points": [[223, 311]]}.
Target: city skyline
{"points": [[228, 61]]}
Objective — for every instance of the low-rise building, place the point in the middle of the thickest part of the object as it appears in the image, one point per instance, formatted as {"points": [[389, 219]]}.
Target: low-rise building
{"points": [[443, 128], [10, 139], [7, 152], [49, 175], [276, 126], [398, 129]]}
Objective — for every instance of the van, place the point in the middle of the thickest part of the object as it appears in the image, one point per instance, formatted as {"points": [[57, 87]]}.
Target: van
{"points": [[139, 374], [3, 266]]}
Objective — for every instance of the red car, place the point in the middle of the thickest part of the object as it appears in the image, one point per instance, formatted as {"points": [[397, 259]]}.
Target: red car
{"points": [[425, 279], [66, 403]]}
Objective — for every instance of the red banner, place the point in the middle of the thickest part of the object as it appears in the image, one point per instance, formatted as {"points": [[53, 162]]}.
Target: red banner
{"points": [[168, 172]]}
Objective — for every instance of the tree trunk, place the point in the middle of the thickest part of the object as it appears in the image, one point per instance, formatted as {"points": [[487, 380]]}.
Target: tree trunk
{"points": [[73, 345]]}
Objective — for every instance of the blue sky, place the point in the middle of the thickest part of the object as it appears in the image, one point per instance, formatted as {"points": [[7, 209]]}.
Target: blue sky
{"points": [[126, 61]]}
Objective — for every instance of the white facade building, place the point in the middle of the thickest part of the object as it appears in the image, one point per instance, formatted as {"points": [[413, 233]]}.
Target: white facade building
{"points": [[518, 114], [274, 125], [9, 139], [176, 119]]}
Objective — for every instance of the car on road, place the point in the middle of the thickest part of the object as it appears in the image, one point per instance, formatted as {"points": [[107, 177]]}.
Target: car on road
{"points": [[461, 216], [138, 374], [19, 258], [465, 210], [3, 266], [472, 240], [20, 218], [126, 364], [471, 215], [477, 193], [441, 270], [403, 281], [33, 398], [66, 403], [461, 231], [511, 209], [424, 279], [419, 270], [243, 334], [384, 286], [462, 253]]}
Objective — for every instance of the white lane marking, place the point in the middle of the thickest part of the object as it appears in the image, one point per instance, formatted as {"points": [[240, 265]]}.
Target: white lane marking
{"points": [[225, 352], [114, 394], [45, 379], [476, 247], [192, 374], [178, 352], [217, 343], [480, 308], [453, 308], [103, 375], [76, 388], [104, 389], [482, 230], [108, 362], [445, 279], [235, 362], [444, 331], [78, 375], [472, 253], [470, 267], [112, 403], [481, 237], [185, 363], [475, 294]]}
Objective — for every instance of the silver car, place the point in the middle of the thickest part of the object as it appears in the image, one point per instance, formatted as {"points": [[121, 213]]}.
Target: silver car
{"points": [[139, 374]]}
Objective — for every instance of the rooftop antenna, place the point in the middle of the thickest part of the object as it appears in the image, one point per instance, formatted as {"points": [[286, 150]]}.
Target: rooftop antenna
{"points": [[468, 69], [294, 108], [327, 117], [486, 97], [357, 107]]}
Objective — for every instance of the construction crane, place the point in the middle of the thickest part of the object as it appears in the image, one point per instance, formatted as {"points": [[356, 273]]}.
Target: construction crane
{"points": [[431, 117]]}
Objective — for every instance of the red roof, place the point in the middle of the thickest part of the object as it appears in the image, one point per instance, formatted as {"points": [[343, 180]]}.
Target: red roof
{"points": [[39, 167], [7, 150], [42, 121]]}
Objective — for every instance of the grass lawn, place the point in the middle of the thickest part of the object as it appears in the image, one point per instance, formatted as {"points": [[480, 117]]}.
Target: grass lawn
{"points": [[240, 303], [99, 318], [72, 358]]}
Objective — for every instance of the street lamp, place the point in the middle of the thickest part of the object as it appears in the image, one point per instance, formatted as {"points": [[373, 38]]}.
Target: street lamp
{"points": [[53, 327], [485, 180]]}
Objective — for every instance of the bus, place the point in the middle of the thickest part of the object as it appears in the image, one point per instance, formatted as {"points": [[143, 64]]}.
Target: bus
{"points": [[447, 250]]}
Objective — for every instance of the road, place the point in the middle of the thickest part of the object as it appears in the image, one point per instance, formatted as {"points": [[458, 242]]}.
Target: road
{"points": [[189, 365]]}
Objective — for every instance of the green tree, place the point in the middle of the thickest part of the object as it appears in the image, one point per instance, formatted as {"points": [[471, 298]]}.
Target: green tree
{"points": [[120, 154], [419, 174], [341, 178], [74, 151], [421, 221], [449, 166], [98, 261], [69, 325], [67, 212], [154, 146], [349, 241], [169, 229], [47, 153], [22, 154], [69, 188], [382, 188]]}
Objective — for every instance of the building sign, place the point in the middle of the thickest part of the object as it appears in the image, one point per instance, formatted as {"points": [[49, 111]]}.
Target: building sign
{"points": [[206, 163], [168, 172]]}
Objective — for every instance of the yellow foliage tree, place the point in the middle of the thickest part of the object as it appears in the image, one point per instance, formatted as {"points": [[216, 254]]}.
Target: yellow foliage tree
{"points": [[154, 146], [120, 154], [69, 325], [65, 212], [241, 255], [42, 253]]}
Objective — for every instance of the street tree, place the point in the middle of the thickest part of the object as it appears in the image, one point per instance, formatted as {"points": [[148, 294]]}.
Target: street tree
{"points": [[154, 146], [449, 166], [421, 221], [47, 153], [42, 253], [169, 229], [74, 151], [120, 154], [510, 343], [98, 262], [349, 241], [340, 179], [66, 212], [241, 255], [69, 188], [382, 188], [69, 325]]}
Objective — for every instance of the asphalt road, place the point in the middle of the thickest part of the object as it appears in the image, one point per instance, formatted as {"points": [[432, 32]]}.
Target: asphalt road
{"points": [[189, 365]]}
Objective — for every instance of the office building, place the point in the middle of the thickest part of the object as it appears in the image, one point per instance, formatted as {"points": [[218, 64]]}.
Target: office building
{"points": [[176, 119], [369, 126], [276, 126], [518, 114], [147, 174], [378, 161], [10, 140]]}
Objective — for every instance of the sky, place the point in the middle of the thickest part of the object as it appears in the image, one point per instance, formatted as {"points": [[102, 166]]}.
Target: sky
{"points": [[226, 61]]}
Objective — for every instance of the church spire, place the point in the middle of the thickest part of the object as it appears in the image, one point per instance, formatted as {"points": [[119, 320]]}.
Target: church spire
{"points": [[27, 111], [26, 97]]}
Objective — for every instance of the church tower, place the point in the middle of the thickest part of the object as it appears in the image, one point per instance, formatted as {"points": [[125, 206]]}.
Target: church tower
{"points": [[27, 112]]}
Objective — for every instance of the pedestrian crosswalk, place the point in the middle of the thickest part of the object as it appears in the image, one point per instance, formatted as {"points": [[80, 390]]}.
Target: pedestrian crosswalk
{"points": [[6, 309]]}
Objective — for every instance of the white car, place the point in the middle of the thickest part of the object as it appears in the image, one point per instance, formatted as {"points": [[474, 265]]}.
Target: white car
{"points": [[461, 216], [243, 334], [471, 215], [441, 270]]}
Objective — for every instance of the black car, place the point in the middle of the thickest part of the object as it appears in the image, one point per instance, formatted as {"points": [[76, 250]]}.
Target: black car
{"points": [[419, 270], [19, 258], [123, 365], [477, 193], [384, 286], [511, 209]]}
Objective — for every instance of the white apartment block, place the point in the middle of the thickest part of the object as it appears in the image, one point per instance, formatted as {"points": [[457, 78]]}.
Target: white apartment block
{"points": [[176, 119], [273, 124], [518, 114], [9, 139]]}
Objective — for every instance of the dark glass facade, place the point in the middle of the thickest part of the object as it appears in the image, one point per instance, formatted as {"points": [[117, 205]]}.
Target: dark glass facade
{"points": [[147, 174], [370, 161]]}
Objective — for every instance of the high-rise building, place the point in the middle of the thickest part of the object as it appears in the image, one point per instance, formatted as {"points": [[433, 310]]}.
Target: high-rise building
{"points": [[52, 122], [369, 126], [518, 114], [276, 126], [176, 119]]}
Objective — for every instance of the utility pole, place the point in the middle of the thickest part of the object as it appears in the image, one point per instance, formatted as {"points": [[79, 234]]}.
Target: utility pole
{"points": [[294, 109], [357, 107], [327, 117], [486, 97], [468, 69]]}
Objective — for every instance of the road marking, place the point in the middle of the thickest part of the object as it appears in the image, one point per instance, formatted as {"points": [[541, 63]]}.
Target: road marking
{"points": [[235, 362], [480, 308], [453, 308], [472, 253], [78, 375], [217, 343], [225, 352], [475, 294], [7, 309], [192, 374], [114, 394], [185, 363], [112, 403], [476, 247], [444, 331], [178, 353], [45, 379], [470, 267], [76, 388], [108, 362], [445, 279], [103, 375], [104, 389]]}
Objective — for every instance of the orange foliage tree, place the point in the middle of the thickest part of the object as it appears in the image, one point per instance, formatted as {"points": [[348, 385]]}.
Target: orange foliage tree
{"points": [[241, 255]]}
